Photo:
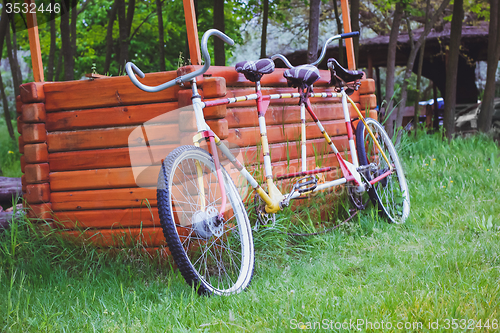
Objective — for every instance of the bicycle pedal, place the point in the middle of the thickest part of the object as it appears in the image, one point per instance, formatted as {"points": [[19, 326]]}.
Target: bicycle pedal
{"points": [[306, 184]]}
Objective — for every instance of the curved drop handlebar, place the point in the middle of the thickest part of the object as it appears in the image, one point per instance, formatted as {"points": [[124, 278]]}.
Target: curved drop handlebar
{"points": [[323, 51], [131, 68], [283, 58], [329, 40]]}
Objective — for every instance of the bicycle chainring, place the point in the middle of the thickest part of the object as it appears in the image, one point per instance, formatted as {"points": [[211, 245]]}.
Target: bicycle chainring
{"points": [[263, 218]]}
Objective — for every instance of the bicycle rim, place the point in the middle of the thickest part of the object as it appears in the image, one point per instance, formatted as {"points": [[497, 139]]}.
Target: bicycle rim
{"points": [[391, 193], [215, 257]]}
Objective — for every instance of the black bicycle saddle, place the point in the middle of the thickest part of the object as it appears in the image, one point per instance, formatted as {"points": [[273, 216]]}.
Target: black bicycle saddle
{"points": [[253, 70]]}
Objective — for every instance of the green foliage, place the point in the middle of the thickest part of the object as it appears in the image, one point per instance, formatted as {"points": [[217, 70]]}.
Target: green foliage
{"points": [[92, 28], [9, 151]]}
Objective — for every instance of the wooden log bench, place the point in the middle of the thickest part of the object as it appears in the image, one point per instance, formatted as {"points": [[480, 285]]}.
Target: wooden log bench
{"points": [[10, 190], [76, 136]]}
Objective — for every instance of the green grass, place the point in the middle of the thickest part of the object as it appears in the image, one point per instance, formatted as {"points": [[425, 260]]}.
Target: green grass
{"points": [[9, 151], [443, 264]]}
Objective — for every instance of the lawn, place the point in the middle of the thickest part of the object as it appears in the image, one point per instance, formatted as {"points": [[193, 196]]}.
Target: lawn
{"points": [[9, 151], [438, 271]]}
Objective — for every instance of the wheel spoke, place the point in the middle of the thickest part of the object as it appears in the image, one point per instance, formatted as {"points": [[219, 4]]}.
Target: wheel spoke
{"points": [[221, 265]]}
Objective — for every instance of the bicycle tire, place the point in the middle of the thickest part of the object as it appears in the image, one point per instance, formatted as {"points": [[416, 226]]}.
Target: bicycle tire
{"points": [[391, 193], [213, 258]]}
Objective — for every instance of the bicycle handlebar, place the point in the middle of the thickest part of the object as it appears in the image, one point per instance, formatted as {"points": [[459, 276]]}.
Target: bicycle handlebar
{"points": [[133, 69], [329, 40], [323, 51], [283, 58]]}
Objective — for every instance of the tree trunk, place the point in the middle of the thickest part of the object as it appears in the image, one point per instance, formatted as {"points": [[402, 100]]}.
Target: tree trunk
{"points": [[66, 41], [4, 30], [409, 64], [486, 114], [6, 111], [339, 31], [109, 37], [355, 27], [60, 59], [74, 15], [416, 108], [450, 98], [416, 116], [312, 48], [219, 54], [125, 17], [161, 38], [14, 54], [4, 25], [391, 65], [14, 66], [52, 51], [265, 19]]}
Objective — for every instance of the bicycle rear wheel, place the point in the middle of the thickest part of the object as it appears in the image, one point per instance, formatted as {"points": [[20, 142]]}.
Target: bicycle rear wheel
{"points": [[391, 193], [215, 256]]}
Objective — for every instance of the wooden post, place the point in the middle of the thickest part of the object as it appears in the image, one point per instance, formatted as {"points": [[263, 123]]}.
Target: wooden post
{"points": [[369, 69], [36, 54], [192, 32], [379, 94], [346, 17]]}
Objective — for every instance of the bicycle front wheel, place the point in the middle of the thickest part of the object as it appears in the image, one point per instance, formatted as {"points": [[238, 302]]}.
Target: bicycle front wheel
{"points": [[390, 193], [214, 255]]}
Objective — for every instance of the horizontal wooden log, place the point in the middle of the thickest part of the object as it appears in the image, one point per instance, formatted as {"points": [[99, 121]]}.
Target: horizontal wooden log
{"points": [[250, 136], [19, 104], [34, 113], [109, 138], [367, 102], [32, 92], [242, 91], [9, 188], [36, 153], [20, 124], [144, 237], [37, 173], [292, 166], [106, 92], [40, 211], [283, 152], [279, 115], [105, 158], [187, 123], [37, 193], [108, 218], [23, 163], [23, 181], [103, 199], [34, 133], [214, 87], [213, 112], [234, 78], [101, 179], [20, 143], [111, 117], [5, 219], [367, 87]]}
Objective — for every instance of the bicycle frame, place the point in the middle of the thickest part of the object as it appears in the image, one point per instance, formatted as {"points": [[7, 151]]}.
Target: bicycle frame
{"points": [[274, 199]]}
